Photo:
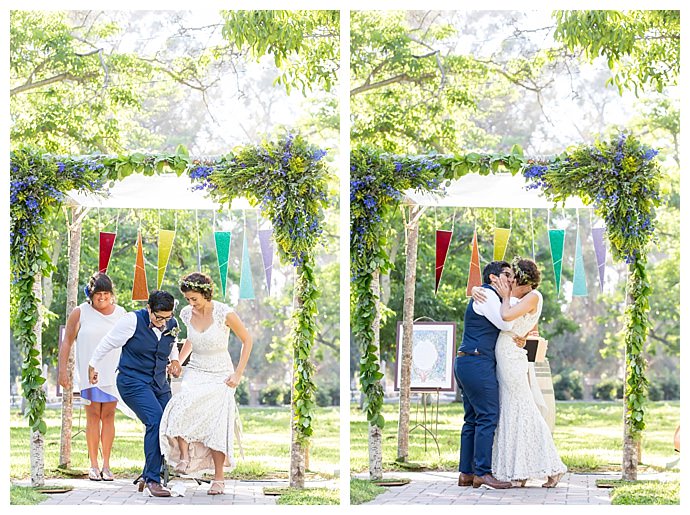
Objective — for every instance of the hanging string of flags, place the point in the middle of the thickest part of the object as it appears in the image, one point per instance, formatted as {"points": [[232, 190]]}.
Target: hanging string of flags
{"points": [[556, 246], [166, 239]]}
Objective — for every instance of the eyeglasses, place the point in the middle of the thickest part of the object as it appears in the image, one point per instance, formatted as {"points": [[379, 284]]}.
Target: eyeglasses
{"points": [[160, 318], [509, 275]]}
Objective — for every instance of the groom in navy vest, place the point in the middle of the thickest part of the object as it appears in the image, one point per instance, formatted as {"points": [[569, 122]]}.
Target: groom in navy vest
{"points": [[147, 338], [475, 373]]}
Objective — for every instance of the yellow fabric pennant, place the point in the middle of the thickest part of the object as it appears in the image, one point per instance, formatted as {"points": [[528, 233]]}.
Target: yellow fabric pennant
{"points": [[165, 242]]}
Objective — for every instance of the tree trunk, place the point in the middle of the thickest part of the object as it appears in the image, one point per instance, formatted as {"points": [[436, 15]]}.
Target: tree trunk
{"points": [[297, 451], [375, 433], [630, 448], [73, 257], [412, 232], [36, 449]]}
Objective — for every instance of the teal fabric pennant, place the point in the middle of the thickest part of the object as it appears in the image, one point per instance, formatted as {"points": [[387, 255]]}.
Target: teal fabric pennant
{"points": [[246, 284], [556, 242], [579, 279], [223, 252]]}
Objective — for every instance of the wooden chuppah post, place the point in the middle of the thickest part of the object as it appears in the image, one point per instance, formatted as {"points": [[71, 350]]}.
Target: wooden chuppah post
{"points": [[412, 237], [73, 256]]}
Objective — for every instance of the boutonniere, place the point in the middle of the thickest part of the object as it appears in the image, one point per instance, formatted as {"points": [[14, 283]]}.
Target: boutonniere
{"points": [[172, 332]]}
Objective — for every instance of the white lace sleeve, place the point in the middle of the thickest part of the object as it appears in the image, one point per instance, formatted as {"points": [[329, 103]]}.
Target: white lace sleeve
{"points": [[220, 312], [186, 315]]}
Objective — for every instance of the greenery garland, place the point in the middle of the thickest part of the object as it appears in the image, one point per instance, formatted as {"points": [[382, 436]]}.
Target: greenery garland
{"points": [[288, 178], [377, 181], [37, 187], [620, 177]]}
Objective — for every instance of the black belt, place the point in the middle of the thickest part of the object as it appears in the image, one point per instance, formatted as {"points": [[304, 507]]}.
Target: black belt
{"points": [[462, 353]]}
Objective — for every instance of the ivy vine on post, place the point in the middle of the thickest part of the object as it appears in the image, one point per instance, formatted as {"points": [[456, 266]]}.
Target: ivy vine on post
{"points": [[620, 177], [288, 180]]}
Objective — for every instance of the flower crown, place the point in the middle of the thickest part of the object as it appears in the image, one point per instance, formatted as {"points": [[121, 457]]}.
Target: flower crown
{"points": [[196, 286], [522, 276]]}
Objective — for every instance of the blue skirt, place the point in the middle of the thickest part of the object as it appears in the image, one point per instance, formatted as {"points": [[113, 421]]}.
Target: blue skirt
{"points": [[95, 394]]}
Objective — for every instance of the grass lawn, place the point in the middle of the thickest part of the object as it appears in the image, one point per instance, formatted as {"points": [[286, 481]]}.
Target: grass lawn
{"points": [[266, 444], [587, 435]]}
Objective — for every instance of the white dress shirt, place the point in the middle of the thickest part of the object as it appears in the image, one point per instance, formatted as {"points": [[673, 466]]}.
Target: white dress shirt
{"points": [[491, 309], [119, 335]]}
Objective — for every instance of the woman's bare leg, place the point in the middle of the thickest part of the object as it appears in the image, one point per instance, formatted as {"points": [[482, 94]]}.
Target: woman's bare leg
{"points": [[184, 448], [218, 462], [107, 431], [93, 431]]}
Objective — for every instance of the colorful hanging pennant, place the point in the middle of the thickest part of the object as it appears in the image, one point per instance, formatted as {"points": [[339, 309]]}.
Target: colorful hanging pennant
{"points": [[266, 243], [556, 242], [165, 241], [600, 252], [579, 279], [246, 285], [500, 243], [140, 290], [222, 239], [106, 241], [475, 276], [442, 245]]}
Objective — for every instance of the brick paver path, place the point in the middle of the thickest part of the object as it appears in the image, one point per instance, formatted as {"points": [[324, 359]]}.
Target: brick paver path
{"points": [[442, 488], [122, 491]]}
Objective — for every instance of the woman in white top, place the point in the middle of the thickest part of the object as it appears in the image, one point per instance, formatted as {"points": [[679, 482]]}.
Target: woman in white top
{"points": [[86, 325]]}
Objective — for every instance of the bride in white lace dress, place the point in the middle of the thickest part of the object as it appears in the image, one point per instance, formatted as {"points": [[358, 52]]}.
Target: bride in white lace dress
{"points": [[196, 431], [523, 446]]}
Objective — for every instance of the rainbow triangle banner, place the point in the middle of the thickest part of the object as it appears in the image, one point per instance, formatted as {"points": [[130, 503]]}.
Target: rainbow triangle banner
{"points": [[579, 279], [246, 285], [165, 242], [106, 241], [475, 276], [556, 242], [442, 245], [500, 243], [222, 239], [600, 252], [140, 290], [266, 243]]}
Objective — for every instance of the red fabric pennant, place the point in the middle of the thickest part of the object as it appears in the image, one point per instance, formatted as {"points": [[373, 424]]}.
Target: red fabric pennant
{"points": [[442, 245], [106, 242]]}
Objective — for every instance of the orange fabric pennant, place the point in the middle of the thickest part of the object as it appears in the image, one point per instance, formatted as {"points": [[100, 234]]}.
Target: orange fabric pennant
{"points": [[475, 277], [140, 291]]}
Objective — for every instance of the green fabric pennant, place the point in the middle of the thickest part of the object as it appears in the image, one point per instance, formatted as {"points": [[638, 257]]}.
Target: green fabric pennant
{"points": [[556, 242], [223, 252]]}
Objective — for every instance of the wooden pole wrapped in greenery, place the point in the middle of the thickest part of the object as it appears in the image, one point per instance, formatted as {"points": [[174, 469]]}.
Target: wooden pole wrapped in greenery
{"points": [[287, 178], [377, 181], [620, 177]]}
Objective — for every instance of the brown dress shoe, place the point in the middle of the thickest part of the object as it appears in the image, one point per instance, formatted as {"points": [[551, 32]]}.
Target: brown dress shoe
{"points": [[156, 490], [490, 481], [465, 479]]}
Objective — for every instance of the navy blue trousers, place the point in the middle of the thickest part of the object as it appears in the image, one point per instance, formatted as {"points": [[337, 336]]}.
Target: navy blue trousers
{"points": [[476, 376], [148, 402]]}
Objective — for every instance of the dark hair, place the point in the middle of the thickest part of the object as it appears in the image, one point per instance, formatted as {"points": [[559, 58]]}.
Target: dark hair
{"points": [[495, 268], [197, 282], [98, 282], [160, 300], [526, 272]]}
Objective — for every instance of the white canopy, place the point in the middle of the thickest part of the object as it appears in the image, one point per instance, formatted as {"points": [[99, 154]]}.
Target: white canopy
{"points": [[165, 191], [493, 190]]}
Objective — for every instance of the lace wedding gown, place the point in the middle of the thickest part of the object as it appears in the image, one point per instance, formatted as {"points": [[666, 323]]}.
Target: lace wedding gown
{"points": [[523, 446], [204, 411]]}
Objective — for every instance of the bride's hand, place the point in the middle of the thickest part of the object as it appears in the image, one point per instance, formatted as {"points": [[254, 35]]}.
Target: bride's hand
{"points": [[479, 294], [503, 287], [233, 380]]}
